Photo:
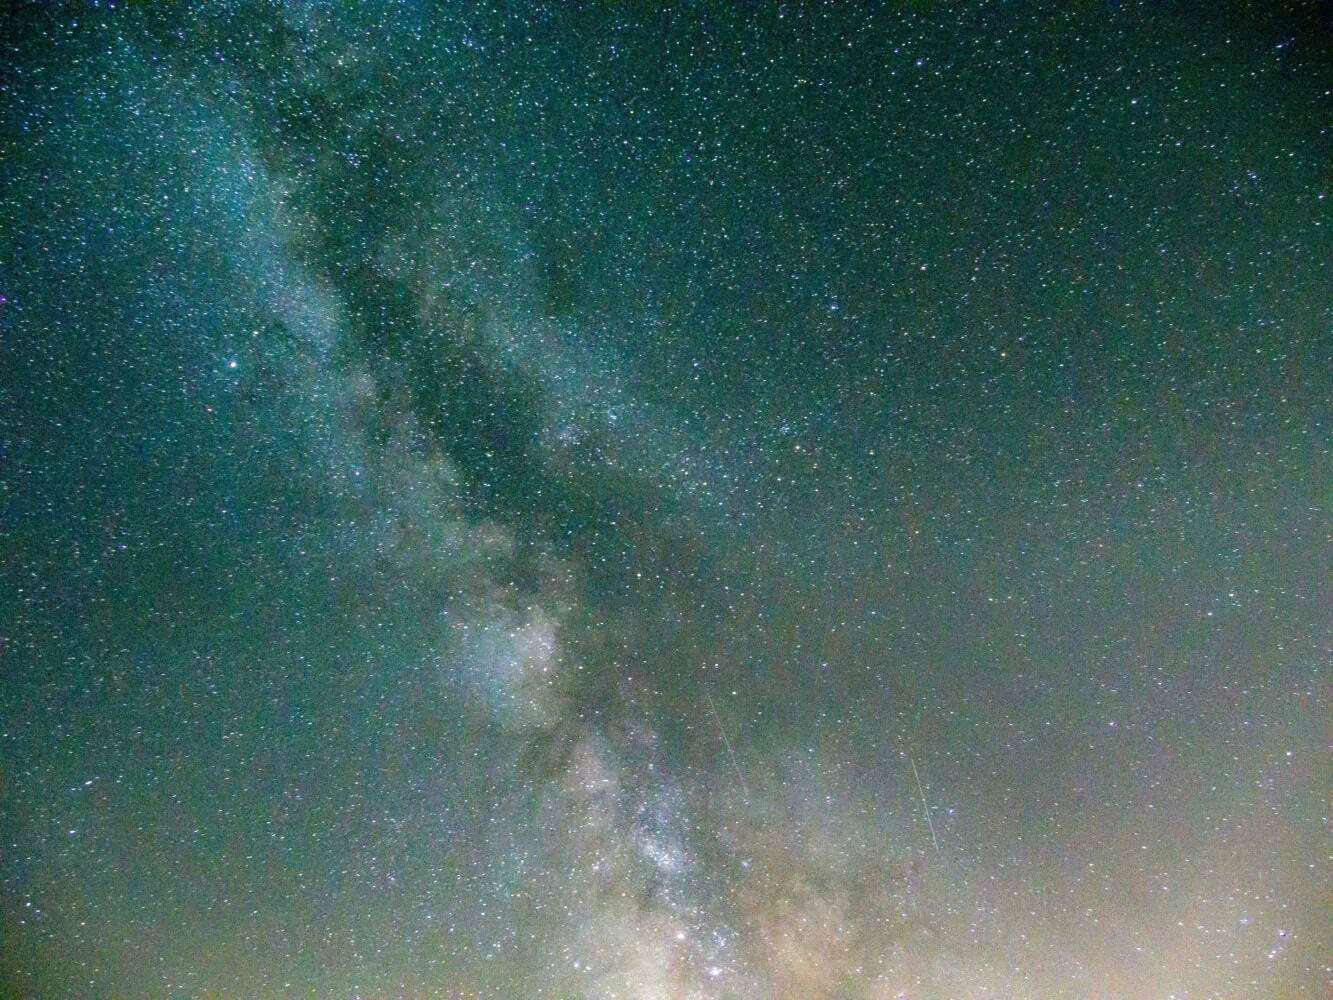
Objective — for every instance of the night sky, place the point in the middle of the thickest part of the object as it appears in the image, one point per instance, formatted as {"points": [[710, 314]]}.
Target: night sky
{"points": [[743, 501]]}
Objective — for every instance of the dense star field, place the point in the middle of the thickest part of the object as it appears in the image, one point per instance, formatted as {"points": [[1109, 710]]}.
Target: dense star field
{"points": [[736, 501]]}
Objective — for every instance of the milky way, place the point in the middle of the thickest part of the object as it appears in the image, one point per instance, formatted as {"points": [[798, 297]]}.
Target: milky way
{"points": [[713, 503]]}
